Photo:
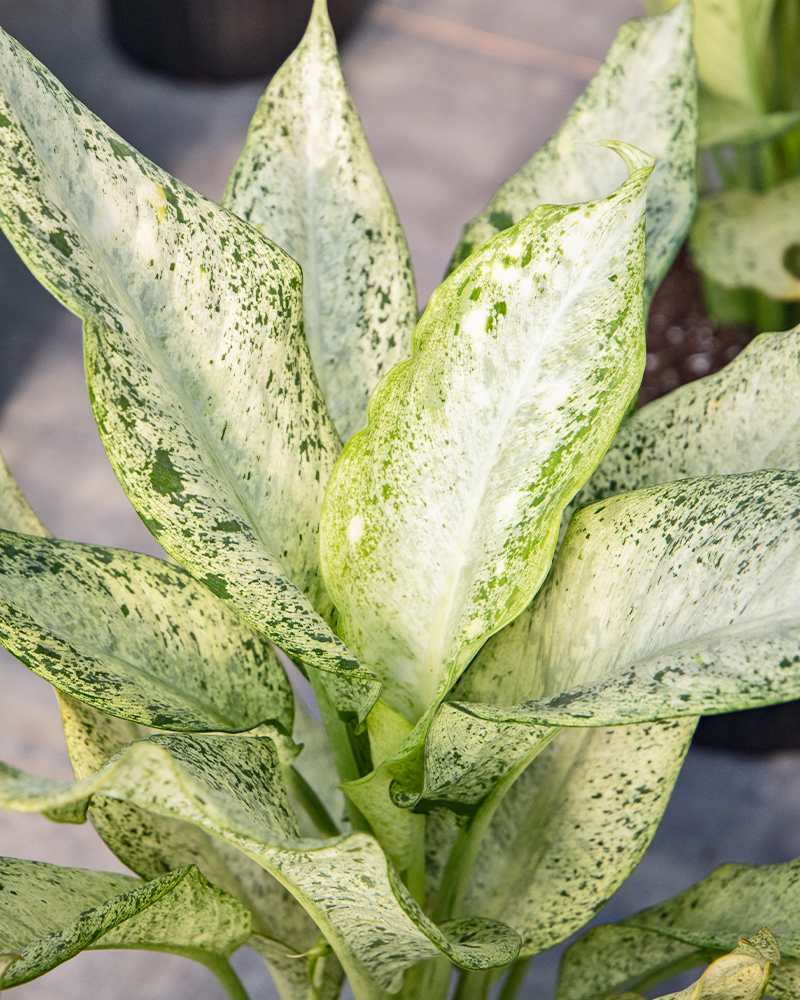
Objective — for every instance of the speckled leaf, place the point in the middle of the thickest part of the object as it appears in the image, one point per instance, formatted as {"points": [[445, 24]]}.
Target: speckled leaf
{"points": [[694, 927], [231, 787], [730, 37], [465, 757], [644, 94], [307, 180], [152, 844], [16, 514], [740, 238], [136, 637], [704, 616], [397, 829], [198, 368], [721, 121], [542, 327], [573, 827], [744, 418], [50, 914]]}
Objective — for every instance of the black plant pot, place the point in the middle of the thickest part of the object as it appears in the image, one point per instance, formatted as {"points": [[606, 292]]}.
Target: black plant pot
{"points": [[219, 39], [755, 730]]}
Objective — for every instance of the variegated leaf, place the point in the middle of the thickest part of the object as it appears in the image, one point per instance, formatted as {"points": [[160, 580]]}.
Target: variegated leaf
{"points": [[704, 617], [441, 517], [231, 786], [307, 180], [644, 94], [731, 38], [721, 121], [50, 914], [741, 419], [198, 369], [573, 827], [693, 927], [152, 844], [740, 238], [136, 637]]}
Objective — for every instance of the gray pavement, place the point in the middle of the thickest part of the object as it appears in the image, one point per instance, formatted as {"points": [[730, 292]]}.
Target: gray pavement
{"points": [[455, 95]]}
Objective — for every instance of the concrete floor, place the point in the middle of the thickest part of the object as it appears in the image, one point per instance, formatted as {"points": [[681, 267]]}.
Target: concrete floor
{"points": [[450, 114]]}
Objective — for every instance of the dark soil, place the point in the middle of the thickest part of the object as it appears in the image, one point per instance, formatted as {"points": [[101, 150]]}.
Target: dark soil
{"points": [[683, 344]]}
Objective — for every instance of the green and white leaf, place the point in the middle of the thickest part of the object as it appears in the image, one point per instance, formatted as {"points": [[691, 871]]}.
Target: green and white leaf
{"points": [[16, 514], [136, 637], [645, 94], [693, 927], [706, 600], [50, 914], [152, 844], [307, 180], [740, 238], [231, 787], [731, 39], [741, 419], [590, 802], [198, 369], [704, 618], [542, 327], [721, 121]]}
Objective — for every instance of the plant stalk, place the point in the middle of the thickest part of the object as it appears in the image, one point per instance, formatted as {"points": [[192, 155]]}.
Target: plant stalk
{"points": [[515, 979], [341, 746]]}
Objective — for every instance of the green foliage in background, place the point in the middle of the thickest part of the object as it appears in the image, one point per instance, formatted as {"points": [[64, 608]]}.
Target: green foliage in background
{"points": [[512, 600], [746, 237]]}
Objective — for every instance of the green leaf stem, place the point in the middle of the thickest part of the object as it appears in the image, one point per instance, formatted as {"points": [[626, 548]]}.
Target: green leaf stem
{"points": [[307, 180], [645, 94]]}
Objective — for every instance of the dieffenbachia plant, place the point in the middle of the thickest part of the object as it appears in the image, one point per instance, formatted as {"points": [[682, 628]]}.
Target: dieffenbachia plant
{"points": [[744, 238], [501, 725]]}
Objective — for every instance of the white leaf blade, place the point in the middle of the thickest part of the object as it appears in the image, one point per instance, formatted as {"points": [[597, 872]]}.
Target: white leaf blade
{"points": [[50, 914], [706, 601], [307, 180], [593, 795], [16, 514], [645, 94], [423, 568]]}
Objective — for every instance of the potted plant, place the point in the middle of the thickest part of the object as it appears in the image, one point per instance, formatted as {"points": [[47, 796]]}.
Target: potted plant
{"points": [[502, 725]]}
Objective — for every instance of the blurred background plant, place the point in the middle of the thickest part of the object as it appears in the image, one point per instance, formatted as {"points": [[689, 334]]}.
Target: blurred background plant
{"points": [[745, 239]]}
